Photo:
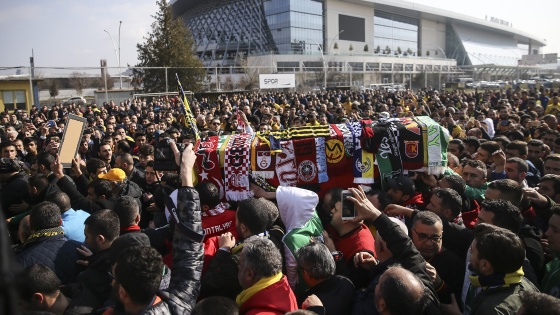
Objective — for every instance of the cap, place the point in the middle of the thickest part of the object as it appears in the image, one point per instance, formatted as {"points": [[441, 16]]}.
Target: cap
{"points": [[402, 183], [115, 174], [9, 166]]}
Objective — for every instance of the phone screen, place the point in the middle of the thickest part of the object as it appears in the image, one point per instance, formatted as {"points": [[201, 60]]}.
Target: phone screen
{"points": [[348, 209]]}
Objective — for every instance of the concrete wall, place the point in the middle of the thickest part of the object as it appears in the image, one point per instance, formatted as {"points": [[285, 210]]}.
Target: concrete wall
{"points": [[333, 9], [432, 38]]}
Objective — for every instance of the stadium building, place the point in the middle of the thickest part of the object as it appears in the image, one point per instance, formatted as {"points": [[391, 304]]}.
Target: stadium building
{"points": [[352, 42]]}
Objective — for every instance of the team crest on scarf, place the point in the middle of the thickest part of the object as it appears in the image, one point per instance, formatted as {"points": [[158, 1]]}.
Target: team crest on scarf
{"points": [[363, 166], [335, 151], [264, 159], [307, 171], [411, 148]]}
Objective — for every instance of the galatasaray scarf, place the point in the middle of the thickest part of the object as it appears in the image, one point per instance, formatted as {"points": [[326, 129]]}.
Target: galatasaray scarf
{"points": [[497, 280], [260, 285], [236, 167], [261, 159]]}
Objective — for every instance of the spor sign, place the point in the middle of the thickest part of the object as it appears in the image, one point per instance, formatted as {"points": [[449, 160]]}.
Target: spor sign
{"points": [[277, 81]]}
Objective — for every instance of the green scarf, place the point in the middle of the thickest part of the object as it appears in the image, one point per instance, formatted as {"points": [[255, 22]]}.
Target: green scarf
{"points": [[260, 285], [497, 280], [44, 233]]}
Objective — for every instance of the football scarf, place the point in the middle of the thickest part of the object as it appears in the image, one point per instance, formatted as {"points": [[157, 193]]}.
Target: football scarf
{"points": [[435, 150], [301, 132], [306, 157], [411, 144], [189, 122], [261, 159], [222, 145], [208, 163], [362, 166], [286, 168], [321, 159], [236, 167], [388, 156], [347, 138]]}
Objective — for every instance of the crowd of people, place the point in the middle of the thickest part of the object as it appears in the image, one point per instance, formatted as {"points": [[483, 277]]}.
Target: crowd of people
{"points": [[114, 234]]}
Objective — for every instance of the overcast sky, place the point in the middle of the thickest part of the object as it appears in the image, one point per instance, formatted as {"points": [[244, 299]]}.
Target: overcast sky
{"points": [[66, 33]]}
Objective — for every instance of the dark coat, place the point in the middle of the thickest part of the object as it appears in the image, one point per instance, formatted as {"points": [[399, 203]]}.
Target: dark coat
{"points": [[408, 257], [181, 295], [81, 202], [55, 252], [14, 191], [336, 293]]}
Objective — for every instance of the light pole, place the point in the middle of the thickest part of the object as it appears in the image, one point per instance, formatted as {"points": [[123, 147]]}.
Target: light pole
{"points": [[325, 62], [117, 53]]}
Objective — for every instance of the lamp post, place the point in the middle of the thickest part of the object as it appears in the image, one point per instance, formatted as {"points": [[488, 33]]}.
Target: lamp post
{"points": [[117, 53], [325, 62]]}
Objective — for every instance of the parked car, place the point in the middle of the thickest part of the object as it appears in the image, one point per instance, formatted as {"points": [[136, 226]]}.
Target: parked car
{"points": [[76, 99]]}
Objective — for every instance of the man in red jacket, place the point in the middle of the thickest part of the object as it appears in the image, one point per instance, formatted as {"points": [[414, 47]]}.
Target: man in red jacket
{"points": [[265, 288]]}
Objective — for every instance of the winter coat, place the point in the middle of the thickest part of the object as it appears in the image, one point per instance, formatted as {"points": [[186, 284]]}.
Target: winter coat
{"points": [[55, 252]]}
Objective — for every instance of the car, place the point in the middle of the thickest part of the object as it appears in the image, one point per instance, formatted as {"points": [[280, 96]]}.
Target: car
{"points": [[78, 100]]}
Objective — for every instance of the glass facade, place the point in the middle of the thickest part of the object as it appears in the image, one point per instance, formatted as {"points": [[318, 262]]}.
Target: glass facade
{"points": [[223, 29], [392, 32]]}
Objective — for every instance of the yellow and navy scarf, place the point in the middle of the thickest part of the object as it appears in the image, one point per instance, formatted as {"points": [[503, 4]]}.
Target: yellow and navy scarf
{"points": [[260, 285], [497, 280], [44, 233]]}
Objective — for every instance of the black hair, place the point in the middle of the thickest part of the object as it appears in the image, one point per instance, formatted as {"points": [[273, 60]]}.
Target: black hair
{"points": [[127, 209], [102, 187], [61, 199], [44, 215], [138, 270], [209, 194], [502, 248], [104, 222], [506, 215], [252, 213]]}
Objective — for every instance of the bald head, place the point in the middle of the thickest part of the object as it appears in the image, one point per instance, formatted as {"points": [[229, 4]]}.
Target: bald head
{"points": [[400, 292]]}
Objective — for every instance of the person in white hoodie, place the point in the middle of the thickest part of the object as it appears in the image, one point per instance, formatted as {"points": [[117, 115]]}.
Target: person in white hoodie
{"points": [[297, 211]]}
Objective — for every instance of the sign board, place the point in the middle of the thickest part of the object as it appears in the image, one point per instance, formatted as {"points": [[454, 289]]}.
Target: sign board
{"points": [[73, 131], [277, 81]]}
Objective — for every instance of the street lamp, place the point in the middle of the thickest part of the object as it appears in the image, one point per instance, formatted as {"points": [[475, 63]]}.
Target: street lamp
{"points": [[325, 63], [117, 53]]}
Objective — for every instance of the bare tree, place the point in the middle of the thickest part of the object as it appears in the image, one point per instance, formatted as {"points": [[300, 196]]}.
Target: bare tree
{"points": [[251, 77], [78, 81], [52, 85]]}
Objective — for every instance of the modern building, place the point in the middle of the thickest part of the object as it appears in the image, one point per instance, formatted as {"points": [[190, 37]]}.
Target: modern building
{"points": [[356, 41]]}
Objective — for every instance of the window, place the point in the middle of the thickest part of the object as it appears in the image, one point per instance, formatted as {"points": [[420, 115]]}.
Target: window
{"points": [[14, 100]]}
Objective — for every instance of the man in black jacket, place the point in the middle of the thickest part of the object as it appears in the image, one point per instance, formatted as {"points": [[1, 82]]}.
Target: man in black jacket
{"points": [[47, 244], [94, 284], [403, 289], [138, 270]]}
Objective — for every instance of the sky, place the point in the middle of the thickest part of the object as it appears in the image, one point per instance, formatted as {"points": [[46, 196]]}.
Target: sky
{"points": [[64, 33]]}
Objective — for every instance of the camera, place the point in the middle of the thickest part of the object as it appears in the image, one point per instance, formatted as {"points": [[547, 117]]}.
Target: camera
{"points": [[348, 209], [164, 159]]}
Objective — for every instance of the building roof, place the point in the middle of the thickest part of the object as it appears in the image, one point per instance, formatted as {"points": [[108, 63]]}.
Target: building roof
{"points": [[444, 16]]}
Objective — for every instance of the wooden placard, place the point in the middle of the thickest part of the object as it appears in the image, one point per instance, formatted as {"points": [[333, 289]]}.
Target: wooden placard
{"points": [[73, 131]]}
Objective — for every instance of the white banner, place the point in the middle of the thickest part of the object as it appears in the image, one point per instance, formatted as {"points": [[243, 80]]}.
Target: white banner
{"points": [[277, 81]]}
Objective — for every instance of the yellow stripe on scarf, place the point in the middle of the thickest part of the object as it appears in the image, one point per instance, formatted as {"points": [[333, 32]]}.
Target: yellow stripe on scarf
{"points": [[261, 284], [509, 279]]}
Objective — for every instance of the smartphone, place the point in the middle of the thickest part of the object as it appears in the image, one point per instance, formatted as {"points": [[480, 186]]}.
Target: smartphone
{"points": [[505, 122], [348, 208]]}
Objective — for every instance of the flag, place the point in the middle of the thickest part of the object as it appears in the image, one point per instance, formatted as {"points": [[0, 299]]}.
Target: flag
{"points": [[188, 121]]}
